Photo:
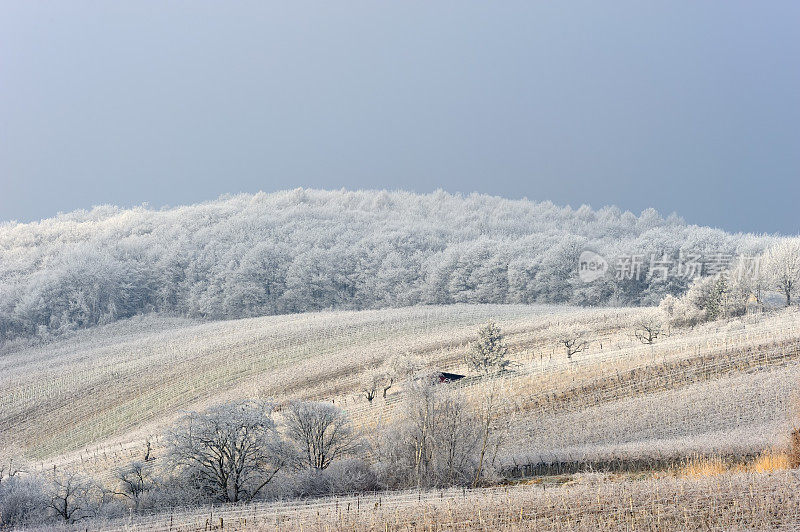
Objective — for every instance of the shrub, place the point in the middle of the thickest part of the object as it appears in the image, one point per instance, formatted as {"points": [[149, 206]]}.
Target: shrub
{"points": [[681, 312], [22, 502], [436, 443], [352, 476], [342, 477]]}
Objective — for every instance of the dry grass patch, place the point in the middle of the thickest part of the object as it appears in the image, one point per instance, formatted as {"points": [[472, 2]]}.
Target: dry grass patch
{"points": [[769, 461], [701, 467]]}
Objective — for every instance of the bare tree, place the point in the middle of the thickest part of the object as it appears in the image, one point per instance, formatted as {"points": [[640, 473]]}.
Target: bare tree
{"points": [[456, 438], [372, 380], [492, 430], [435, 443], [10, 470], [418, 433], [321, 433], [648, 329], [399, 368], [70, 495], [782, 263], [232, 451], [488, 353], [136, 479], [574, 341]]}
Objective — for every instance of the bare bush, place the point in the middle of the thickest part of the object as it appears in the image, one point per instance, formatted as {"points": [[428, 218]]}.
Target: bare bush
{"points": [[136, 480], [178, 490], [573, 339], [352, 476], [346, 476], [435, 444], [648, 329], [230, 452], [321, 433], [71, 496], [22, 501]]}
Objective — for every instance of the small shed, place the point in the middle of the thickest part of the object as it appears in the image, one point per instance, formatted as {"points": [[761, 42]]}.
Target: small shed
{"points": [[445, 377]]}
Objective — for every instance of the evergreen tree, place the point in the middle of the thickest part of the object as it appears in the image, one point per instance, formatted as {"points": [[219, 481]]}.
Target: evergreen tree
{"points": [[716, 302], [488, 354]]}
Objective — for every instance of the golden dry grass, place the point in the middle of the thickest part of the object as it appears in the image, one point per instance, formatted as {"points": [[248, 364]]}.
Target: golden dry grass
{"points": [[769, 461], [700, 467]]}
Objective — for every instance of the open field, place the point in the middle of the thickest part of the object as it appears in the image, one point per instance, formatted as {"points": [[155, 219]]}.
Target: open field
{"points": [[731, 501], [104, 384], [726, 388]]}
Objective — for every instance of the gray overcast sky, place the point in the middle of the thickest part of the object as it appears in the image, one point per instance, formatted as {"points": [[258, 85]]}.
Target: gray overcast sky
{"points": [[685, 106]]}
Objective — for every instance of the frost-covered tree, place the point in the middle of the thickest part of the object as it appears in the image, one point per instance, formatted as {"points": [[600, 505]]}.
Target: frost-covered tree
{"points": [[231, 451], [494, 421], [399, 368], [307, 250], [782, 264], [321, 433], [748, 277], [718, 295], [436, 441], [648, 328], [372, 381], [71, 496], [135, 481], [488, 354], [573, 339]]}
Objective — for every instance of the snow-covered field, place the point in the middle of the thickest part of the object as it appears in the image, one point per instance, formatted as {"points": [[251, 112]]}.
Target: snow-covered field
{"points": [[91, 399], [107, 383], [734, 501]]}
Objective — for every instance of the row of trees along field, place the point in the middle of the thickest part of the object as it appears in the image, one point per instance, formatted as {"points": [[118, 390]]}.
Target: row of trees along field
{"points": [[250, 450], [306, 250]]}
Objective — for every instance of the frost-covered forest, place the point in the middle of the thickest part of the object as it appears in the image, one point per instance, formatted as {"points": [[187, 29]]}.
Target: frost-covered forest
{"points": [[305, 250]]}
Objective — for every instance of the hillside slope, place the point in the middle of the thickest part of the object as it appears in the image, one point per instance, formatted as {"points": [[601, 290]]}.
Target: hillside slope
{"points": [[102, 383], [726, 387]]}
